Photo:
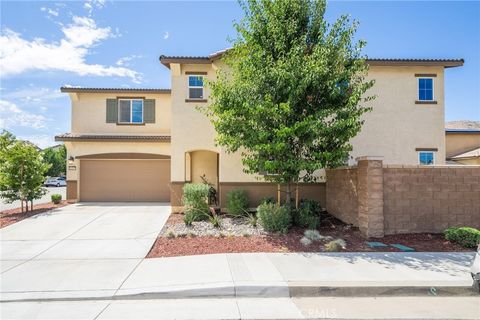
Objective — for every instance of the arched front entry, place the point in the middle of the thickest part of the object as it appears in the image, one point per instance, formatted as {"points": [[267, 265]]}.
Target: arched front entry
{"points": [[202, 166]]}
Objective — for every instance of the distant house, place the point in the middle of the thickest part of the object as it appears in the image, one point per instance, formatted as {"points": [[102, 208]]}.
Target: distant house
{"points": [[462, 146]]}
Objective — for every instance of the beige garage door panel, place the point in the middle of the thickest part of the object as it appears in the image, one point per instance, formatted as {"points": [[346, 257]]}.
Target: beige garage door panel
{"points": [[124, 180]]}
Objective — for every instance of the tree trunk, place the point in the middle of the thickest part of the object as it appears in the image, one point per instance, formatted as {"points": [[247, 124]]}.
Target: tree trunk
{"points": [[31, 205], [21, 203], [278, 194], [288, 200], [296, 196]]}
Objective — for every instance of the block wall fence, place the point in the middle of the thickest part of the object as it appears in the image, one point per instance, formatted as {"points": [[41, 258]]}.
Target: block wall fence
{"points": [[392, 199]]}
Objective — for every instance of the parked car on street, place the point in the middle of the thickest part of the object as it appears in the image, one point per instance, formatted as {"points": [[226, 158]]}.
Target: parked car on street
{"points": [[55, 182], [475, 270]]}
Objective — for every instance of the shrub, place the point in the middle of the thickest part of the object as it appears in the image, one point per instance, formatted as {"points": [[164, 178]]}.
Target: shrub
{"points": [[267, 200], [195, 197], [237, 202], [274, 218], [56, 198], [308, 214], [465, 236], [335, 245], [215, 220], [305, 241], [313, 235], [252, 219]]}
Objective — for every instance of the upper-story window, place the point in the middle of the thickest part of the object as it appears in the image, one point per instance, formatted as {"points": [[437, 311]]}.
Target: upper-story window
{"points": [[425, 89], [195, 87], [426, 158], [130, 110]]}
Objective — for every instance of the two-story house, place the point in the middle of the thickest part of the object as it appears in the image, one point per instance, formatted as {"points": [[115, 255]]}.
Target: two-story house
{"points": [[145, 144]]}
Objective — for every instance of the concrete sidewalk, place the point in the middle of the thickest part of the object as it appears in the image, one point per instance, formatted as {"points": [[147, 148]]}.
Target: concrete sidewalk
{"points": [[249, 308], [243, 275]]}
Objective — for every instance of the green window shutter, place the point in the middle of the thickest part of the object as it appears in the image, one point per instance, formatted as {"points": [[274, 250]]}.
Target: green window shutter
{"points": [[112, 110], [149, 111]]}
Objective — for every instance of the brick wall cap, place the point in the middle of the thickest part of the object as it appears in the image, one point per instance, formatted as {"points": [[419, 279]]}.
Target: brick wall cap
{"points": [[373, 158], [437, 166]]}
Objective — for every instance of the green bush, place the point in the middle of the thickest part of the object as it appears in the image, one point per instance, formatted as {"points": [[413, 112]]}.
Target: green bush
{"points": [[56, 198], [268, 200], [195, 197], [308, 214], [237, 202], [465, 236], [274, 218]]}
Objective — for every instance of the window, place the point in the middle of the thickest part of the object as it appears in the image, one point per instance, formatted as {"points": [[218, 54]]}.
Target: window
{"points": [[130, 111], [426, 158], [425, 89], [195, 87]]}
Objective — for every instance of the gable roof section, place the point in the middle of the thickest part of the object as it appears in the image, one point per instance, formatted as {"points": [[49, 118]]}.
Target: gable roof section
{"points": [[113, 90], [460, 131], [475, 153], [446, 63]]}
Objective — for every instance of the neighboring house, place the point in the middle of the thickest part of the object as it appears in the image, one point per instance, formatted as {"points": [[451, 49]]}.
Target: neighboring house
{"points": [[463, 146], [145, 144]]}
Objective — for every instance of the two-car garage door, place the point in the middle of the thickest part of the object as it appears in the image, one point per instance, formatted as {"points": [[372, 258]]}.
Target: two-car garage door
{"points": [[125, 180]]}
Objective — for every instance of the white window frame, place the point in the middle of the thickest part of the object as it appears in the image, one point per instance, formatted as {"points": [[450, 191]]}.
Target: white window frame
{"points": [[131, 110], [418, 157], [433, 88], [196, 87]]}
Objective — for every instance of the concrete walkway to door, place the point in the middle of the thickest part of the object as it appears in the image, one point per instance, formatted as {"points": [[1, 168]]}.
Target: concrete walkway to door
{"points": [[60, 249]]}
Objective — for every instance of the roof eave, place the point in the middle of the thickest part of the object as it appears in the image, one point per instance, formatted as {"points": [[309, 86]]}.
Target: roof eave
{"points": [[166, 61], [164, 139], [416, 62], [113, 90], [446, 63]]}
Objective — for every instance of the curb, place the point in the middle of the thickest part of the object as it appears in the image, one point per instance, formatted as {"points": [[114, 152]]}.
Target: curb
{"points": [[278, 291], [382, 291]]}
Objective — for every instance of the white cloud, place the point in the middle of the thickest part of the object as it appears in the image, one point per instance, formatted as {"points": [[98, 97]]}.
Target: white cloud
{"points": [[166, 35], [18, 55], [12, 116], [33, 94], [41, 140], [51, 12], [125, 61], [89, 5]]}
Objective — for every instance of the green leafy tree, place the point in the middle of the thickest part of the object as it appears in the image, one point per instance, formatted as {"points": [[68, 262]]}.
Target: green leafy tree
{"points": [[22, 173], [291, 97], [57, 158], [6, 140]]}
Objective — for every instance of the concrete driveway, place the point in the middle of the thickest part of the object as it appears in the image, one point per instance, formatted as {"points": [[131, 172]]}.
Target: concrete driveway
{"points": [[60, 249]]}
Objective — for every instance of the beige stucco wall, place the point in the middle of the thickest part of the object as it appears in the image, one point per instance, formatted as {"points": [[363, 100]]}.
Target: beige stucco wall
{"points": [[89, 114], [394, 129], [397, 126], [204, 163], [457, 143]]}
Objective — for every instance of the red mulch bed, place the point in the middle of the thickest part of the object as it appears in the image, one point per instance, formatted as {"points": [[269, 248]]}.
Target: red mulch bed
{"points": [[182, 246], [11, 216]]}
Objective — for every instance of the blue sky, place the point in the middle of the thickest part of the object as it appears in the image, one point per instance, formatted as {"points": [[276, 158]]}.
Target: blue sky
{"points": [[45, 45]]}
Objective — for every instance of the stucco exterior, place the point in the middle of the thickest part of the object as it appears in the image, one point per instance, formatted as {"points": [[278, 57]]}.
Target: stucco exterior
{"points": [[396, 129], [397, 126], [89, 113]]}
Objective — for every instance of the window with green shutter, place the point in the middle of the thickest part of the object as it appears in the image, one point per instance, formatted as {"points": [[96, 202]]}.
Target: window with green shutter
{"points": [[149, 111], [112, 110]]}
